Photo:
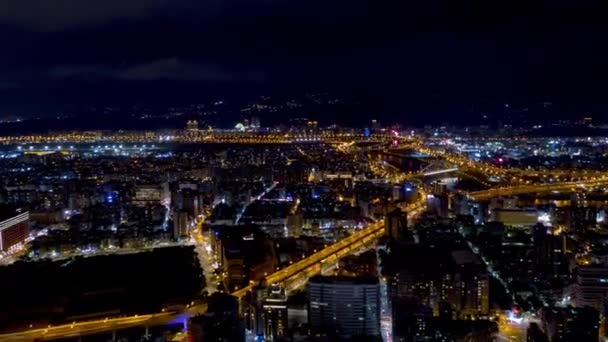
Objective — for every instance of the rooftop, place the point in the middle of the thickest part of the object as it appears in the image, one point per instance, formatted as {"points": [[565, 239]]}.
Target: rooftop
{"points": [[10, 211], [344, 280]]}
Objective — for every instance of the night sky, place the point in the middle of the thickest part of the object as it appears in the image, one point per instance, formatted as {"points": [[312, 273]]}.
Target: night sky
{"points": [[100, 50]]}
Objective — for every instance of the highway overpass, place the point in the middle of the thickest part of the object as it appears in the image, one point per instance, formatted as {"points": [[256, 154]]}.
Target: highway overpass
{"points": [[332, 253], [524, 189], [294, 273], [96, 326]]}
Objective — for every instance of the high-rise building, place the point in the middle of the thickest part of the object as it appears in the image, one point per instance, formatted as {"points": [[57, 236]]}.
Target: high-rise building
{"points": [[180, 223], [439, 204], [192, 125], [376, 125], [460, 205], [411, 320], [548, 250], [255, 123], [295, 222], [462, 283], [440, 188], [312, 125], [188, 200], [516, 217], [581, 218], [271, 312], [471, 285], [570, 324], [535, 334], [398, 193], [587, 121], [221, 322], [233, 263], [148, 194], [591, 286], [395, 224], [14, 228], [346, 306]]}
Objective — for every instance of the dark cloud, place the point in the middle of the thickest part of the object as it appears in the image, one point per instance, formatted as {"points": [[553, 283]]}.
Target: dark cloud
{"points": [[172, 69], [69, 14], [4, 85], [62, 14], [433, 46]]}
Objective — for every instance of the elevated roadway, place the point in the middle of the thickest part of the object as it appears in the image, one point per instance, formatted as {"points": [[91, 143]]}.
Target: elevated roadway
{"points": [[199, 136], [524, 189], [95, 326], [303, 269], [334, 251], [306, 267], [513, 175]]}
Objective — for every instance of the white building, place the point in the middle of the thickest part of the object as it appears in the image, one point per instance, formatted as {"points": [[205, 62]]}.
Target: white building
{"points": [[349, 306], [591, 286]]}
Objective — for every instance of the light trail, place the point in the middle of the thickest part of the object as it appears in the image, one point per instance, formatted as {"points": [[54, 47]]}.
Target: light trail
{"points": [[258, 197], [438, 172]]}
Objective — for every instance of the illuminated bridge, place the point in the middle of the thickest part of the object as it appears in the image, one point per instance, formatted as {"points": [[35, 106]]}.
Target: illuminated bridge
{"points": [[181, 136], [515, 175], [524, 189], [437, 168]]}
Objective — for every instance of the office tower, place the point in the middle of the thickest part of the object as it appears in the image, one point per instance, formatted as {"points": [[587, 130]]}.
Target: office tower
{"points": [[591, 285], [440, 204], [271, 312], [255, 123], [14, 228], [470, 283], [346, 306], [187, 199], [192, 125], [148, 194], [515, 217], [458, 282], [295, 222], [180, 224], [397, 193], [411, 320], [570, 324], [221, 322], [535, 334], [395, 224], [548, 250], [376, 126], [233, 263]]}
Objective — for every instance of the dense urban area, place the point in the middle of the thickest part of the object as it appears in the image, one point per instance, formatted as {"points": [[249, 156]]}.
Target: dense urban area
{"points": [[303, 232]]}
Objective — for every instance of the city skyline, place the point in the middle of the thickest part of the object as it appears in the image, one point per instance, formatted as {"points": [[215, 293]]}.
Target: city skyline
{"points": [[289, 170], [435, 59]]}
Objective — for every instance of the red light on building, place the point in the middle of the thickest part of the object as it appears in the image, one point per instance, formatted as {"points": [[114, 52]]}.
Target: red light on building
{"points": [[14, 231]]}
